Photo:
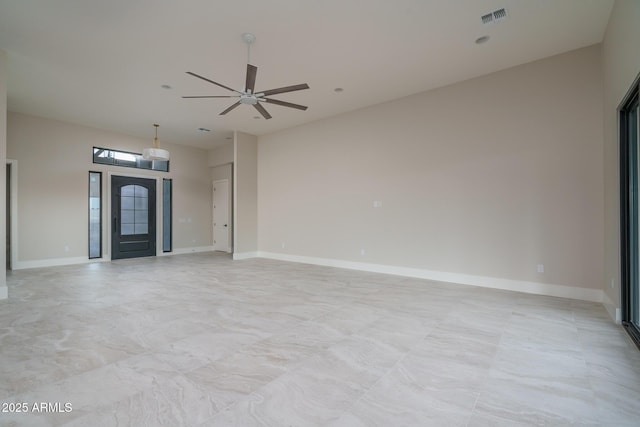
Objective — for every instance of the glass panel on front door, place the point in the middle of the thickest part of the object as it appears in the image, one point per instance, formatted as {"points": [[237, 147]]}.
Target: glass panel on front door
{"points": [[134, 210]]}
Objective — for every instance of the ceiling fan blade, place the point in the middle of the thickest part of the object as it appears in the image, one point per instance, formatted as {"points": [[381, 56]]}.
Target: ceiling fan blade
{"points": [[250, 85], [211, 81], [262, 111], [285, 104], [230, 108], [211, 96], [284, 89]]}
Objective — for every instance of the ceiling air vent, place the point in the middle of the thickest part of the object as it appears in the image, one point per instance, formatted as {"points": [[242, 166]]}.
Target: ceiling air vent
{"points": [[495, 16]]}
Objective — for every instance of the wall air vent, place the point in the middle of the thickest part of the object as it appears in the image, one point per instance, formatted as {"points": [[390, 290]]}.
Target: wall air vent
{"points": [[495, 16]]}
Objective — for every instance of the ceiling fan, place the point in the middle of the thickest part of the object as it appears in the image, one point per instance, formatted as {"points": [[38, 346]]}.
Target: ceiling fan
{"points": [[249, 95]]}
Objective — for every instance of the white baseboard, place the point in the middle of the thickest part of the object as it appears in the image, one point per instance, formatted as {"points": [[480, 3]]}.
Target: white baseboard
{"points": [[188, 250], [612, 308], [57, 262], [585, 294], [245, 255], [51, 262]]}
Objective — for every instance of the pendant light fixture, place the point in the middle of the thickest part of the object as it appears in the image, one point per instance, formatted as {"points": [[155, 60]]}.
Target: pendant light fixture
{"points": [[155, 153]]}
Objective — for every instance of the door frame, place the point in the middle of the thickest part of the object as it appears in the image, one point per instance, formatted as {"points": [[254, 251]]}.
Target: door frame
{"points": [[229, 215], [106, 216]]}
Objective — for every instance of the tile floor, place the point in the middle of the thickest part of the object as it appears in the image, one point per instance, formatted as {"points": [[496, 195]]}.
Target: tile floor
{"points": [[200, 340]]}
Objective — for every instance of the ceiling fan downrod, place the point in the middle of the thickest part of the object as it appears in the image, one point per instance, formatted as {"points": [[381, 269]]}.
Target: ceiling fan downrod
{"points": [[248, 38]]}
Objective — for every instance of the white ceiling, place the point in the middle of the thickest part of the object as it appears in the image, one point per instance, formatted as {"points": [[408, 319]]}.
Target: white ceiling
{"points": [[102, 63]]}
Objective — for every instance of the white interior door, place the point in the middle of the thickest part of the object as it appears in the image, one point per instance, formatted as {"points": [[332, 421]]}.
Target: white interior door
{"points": [[221, 226]]}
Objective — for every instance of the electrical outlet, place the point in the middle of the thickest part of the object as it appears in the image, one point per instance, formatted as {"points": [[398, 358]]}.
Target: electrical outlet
{"points": [[362, 252], [540, 268], [283, 245]]}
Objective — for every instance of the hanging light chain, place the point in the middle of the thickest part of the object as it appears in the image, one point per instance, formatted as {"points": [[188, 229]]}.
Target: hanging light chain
{"points": [[155, 139]]}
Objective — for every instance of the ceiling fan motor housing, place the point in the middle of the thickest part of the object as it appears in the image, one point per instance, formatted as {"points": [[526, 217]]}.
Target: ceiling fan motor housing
{"points": [[248, 99]]}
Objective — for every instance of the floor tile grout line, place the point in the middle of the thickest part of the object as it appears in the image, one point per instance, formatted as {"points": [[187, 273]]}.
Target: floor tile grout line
{"points": [[388, 372], [473, 409]]}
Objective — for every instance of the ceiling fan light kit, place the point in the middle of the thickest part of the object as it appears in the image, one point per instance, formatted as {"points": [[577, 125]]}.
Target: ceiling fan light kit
{"points": [[155, 152], [249, 96]]}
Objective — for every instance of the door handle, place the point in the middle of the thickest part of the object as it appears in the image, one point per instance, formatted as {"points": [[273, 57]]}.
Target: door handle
{"points": [[225, 225]]}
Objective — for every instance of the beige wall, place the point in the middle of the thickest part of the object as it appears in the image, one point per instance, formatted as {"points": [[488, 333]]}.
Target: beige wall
{"points": [[3, 176], [53, 163], [221, 155], [621, 65], [222, 172], [245, 210], [489, 177]]}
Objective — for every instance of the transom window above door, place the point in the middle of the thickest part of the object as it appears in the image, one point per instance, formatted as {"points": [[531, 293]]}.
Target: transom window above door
{"points": [[108, 156]]}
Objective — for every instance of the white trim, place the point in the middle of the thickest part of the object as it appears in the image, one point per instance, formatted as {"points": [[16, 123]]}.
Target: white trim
{"points": [[247, 255], [188, 250], [4, 292], [234, 195], [563, 291], [612, 308], [57, 262], [54, 262]]}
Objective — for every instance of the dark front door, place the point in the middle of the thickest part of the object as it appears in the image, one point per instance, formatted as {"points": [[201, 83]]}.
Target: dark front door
{"points": [[133, 217]]}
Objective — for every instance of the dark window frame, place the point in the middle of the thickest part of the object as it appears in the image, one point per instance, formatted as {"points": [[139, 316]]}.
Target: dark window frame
{"points": [[138, 163], [167, 215], [629, 207], [99, 176]]}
